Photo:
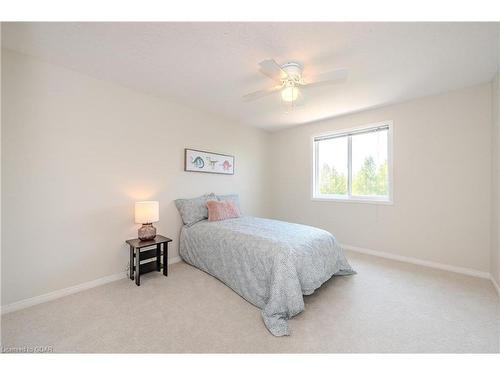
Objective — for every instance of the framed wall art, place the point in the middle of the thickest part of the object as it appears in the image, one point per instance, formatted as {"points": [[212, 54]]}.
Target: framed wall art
{"points": [[208, 162]]}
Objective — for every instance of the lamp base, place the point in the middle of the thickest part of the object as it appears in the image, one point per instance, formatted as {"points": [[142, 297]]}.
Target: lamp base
{"points": [[147, 232]]}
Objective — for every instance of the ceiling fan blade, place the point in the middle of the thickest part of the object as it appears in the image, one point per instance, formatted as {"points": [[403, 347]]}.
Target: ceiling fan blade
{"points": [[333, 77], [261, 93], [272, 69]]}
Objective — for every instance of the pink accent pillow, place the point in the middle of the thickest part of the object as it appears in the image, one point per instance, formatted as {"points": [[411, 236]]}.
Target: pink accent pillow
{"points": [[222, 210]]}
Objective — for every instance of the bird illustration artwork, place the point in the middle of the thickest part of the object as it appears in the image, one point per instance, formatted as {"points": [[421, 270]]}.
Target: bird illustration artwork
{"points": [[198, 162], [226, 165], [212, 162]]}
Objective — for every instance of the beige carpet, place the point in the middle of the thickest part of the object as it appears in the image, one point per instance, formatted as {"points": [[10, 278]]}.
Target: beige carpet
{"points": [[388, 307]]}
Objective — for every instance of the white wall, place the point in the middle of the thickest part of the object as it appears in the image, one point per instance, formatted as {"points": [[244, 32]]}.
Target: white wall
{"points": [[495, 197], [442, 181], [77, 152]]}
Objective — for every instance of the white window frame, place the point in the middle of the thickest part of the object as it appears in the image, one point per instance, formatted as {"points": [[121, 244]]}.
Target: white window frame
{"points": [[354, 198]]}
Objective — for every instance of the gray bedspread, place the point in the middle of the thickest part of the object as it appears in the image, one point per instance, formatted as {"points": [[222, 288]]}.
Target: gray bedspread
{"points": [[270, 263]]}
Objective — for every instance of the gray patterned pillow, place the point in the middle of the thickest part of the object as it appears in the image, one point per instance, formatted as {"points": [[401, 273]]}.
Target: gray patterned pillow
{"points": [[195, 209], [231, 197]]}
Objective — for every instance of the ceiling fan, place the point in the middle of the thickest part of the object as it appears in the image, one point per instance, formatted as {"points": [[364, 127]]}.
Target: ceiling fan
{"points": [[290, 80]]}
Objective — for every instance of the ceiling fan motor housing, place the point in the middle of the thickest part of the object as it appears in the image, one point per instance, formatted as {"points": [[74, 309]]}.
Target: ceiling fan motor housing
{"points": [[293, 70]]}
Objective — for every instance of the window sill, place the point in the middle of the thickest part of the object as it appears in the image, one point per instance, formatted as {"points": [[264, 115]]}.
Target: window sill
{"points": [[354, 200]]}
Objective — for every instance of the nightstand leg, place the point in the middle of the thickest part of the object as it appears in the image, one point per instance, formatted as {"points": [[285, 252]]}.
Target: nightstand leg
{"points": [[137, 267], [165, 258], [158, 257], [131, 263]]}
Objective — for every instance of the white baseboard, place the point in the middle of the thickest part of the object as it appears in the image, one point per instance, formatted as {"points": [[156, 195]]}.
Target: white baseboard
{"points": [[495, 284], [60, 293], [67, 291], [401, 258]]}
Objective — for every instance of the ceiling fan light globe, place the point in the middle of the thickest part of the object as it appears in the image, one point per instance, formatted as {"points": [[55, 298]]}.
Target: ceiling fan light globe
{"points": [[289, 94]]}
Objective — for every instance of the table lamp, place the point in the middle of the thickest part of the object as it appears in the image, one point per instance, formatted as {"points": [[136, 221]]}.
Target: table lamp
{"points": [[146, 213]]}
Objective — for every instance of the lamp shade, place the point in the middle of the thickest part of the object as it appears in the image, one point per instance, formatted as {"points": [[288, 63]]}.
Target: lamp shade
{"points": [[147, 212]]}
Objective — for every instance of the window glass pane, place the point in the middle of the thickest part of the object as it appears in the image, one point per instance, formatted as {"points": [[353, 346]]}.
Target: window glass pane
{"points": [[369, 164], [332, 166]]}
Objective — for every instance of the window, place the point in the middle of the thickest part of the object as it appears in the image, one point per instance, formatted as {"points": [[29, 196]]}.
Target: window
{"points": [[354, 165]]}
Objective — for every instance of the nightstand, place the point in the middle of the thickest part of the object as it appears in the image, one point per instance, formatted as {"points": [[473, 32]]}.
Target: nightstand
{"points": [[144, 250]]}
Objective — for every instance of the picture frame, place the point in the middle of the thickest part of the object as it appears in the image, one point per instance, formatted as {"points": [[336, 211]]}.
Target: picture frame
{"points": [[208, 162]]}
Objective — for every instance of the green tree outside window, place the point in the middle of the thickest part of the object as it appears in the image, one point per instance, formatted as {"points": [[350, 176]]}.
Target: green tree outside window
{"points": [[369, 180]]}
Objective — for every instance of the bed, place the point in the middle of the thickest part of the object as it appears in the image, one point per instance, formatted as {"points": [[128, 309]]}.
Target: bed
{"points": [[270, 263]]}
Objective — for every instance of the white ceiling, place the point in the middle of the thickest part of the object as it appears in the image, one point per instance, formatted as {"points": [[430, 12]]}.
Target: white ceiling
{"points": [[211, 65]]}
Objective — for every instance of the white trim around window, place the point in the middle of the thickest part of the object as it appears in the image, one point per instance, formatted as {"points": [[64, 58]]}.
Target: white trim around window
{"points": [[349, 198]]}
